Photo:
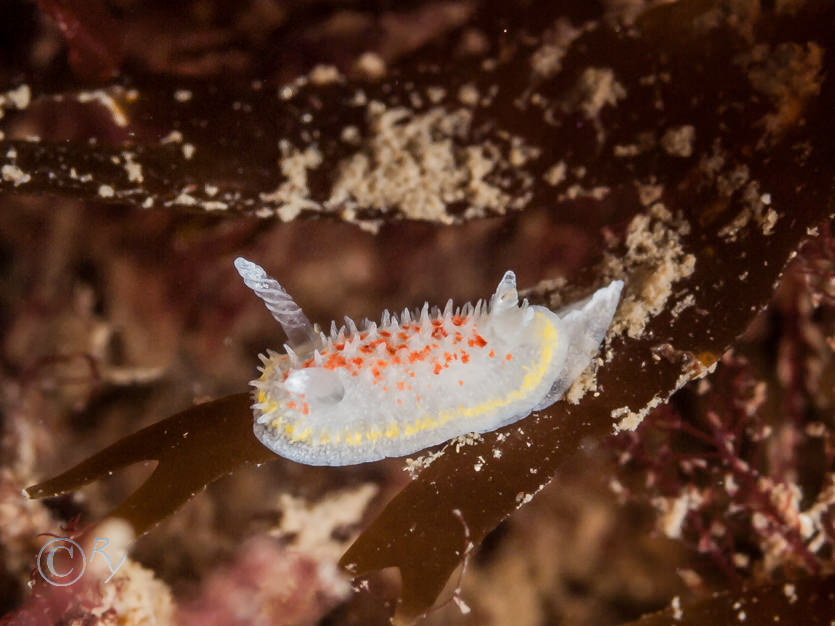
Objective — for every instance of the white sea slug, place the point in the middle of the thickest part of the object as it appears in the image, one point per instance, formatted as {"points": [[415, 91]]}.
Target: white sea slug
{"points": [[364, 393]]}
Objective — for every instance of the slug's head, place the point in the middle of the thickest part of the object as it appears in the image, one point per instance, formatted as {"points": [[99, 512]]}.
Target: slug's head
{"points": [[318, 384]]}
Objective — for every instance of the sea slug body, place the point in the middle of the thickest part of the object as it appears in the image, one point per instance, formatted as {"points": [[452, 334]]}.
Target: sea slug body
{"points": [[360, 394]]}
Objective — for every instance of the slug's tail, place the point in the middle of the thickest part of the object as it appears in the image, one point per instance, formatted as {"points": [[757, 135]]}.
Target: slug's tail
{"points": [[300, 332]]}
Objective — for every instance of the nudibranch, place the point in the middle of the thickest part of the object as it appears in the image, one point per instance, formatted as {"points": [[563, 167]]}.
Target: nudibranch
{"points": [[363, 393]]}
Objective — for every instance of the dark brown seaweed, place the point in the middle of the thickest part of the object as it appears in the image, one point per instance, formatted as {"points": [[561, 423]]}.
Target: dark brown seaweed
{"points": [[192, 449], [805, 601]]}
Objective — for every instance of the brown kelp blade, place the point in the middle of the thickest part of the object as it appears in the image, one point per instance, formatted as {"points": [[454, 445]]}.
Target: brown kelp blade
{"points": [[193, 448], [807, 601]]}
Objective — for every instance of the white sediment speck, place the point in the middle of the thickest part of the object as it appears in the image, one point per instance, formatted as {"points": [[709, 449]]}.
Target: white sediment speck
{"points": [[13, 174]]}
